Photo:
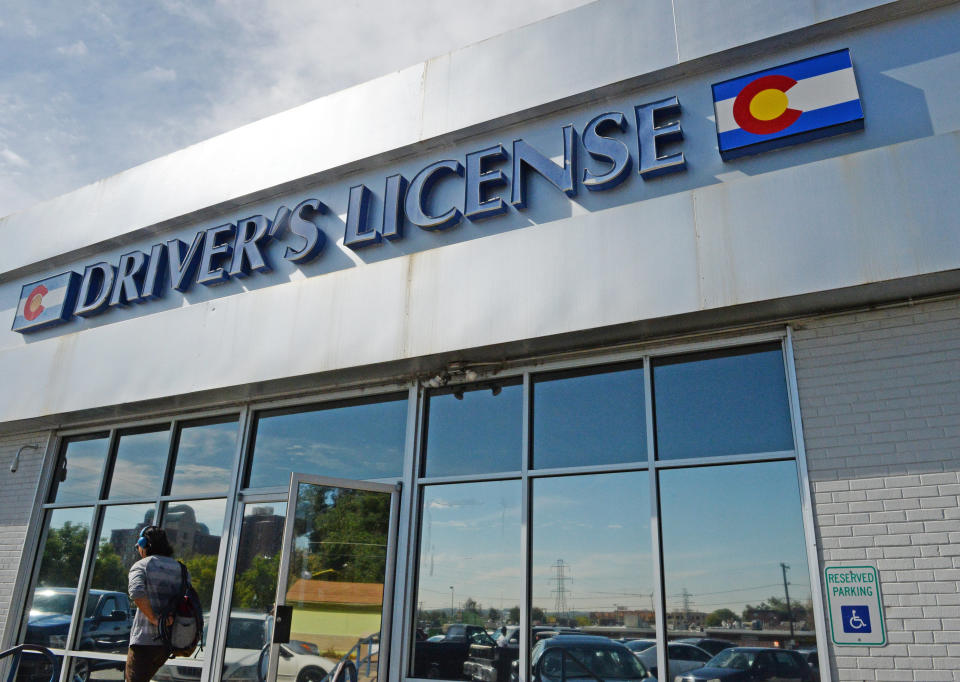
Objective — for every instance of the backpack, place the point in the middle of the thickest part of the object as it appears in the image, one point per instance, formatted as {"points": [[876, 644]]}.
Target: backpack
{"points": [[183, 635]]}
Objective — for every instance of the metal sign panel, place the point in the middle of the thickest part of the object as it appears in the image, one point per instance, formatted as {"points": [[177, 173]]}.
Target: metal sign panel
{"points": [[854, 605]]}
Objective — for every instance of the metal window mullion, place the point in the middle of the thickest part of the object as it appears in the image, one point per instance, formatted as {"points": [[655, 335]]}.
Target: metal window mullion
{"points": [[472, 478], [172, 446], [526, 539], [806, 507], [113, 444], [658, 587], [227, 558], [404, 609]]}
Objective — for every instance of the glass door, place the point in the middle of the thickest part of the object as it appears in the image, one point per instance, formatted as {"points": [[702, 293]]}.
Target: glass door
{"points": [[335, 584]]}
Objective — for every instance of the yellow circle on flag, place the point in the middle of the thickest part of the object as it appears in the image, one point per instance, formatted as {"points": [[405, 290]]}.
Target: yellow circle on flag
{"points": [[769, 104]]}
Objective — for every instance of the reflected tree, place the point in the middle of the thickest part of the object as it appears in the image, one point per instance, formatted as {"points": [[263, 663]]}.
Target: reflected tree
{"points": [[63, 555], [203, 570], [109, 573], [256, 587], [716, 618]]}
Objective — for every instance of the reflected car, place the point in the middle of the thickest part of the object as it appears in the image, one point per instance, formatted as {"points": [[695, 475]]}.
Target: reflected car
{"points": [[247, 637], [586, 657], [639, 645], [751, 664], [106, 628], [810, 656], [709, 644], [680, 658]]}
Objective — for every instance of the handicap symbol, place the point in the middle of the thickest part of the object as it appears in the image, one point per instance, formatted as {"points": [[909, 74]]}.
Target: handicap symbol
{"points": [[856, 618]]}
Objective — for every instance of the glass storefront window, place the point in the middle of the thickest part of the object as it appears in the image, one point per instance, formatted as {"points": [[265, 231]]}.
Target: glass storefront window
{"points": [[729, 402], [358, 440], [195, 529], [204, 459], [469, 569], [728, 532], [77, 479], [140, 464], [474, 430], [581, 419], [254, 591]]}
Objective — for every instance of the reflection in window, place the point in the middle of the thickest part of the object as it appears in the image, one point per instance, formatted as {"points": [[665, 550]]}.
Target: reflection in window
{"points": [[195, 529], [107, 612], [254, 589], [472, 431], [81, 467], [587, 419], [358, 440], [721, 403], [591, 559], [728, 531], [140, 464], [55, 590], [469, 566], [204, 459]]}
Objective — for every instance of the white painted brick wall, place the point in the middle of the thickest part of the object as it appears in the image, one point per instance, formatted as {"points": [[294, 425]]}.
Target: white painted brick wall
{"points": [[17, 494], [880, 398]]}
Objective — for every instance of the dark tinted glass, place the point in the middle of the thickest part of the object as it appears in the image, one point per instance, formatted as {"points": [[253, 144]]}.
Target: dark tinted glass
{"points": [[205, 455], [727, 533], [469, 567], [81, 468], [478, 432], [724, 403], [591, 561], [589, 419], [358, 440], [140, 464]]}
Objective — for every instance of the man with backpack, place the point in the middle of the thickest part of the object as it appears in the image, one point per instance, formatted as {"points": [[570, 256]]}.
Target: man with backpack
{"points": [[154, 584]]}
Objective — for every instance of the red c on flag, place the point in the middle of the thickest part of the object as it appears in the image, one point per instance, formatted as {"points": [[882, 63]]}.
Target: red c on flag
{"points": [[780, 117], [34, 305]]}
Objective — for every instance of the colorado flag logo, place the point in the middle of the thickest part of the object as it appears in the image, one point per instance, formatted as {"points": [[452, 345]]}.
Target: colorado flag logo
{"points": [[47, 302], [787, 104]]}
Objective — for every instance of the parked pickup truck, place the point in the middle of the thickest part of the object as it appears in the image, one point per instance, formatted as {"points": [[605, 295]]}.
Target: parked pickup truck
{"points": [[446, 658]]}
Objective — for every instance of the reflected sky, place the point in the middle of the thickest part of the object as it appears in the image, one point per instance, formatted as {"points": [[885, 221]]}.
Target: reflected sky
{"points": [[140, 464], [593, 419], [479, 433], [205, 457], [84, 467], [357, 441], [729, 404], [726, 529], [599, 526], [470, 540]]}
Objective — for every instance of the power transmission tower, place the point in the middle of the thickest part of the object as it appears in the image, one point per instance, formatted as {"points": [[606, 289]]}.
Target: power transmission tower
{"points": [[685, 595], [560, 592]]}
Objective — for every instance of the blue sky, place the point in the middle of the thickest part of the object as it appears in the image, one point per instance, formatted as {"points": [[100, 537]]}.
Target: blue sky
{"points": [[91, 88]]}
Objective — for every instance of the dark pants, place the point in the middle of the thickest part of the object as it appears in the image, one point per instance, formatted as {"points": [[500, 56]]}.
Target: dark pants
{"points": [[143, 661]]}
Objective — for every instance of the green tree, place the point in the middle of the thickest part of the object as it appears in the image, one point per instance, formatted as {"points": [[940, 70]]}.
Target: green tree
{"points": [[537, 615], [515, 614], [493, 615], [256, 587], [203, 569], [109, 572], [717, 617], [62, 555]]}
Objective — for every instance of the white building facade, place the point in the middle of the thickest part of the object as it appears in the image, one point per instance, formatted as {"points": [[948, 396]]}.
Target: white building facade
{"points": [[528, 352]]}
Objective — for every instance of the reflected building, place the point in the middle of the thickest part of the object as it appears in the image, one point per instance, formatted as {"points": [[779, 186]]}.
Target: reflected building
{"points": [[262, 531]]}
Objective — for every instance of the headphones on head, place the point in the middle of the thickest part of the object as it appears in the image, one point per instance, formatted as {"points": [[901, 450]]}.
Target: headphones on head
{"points": [[142, 541]]}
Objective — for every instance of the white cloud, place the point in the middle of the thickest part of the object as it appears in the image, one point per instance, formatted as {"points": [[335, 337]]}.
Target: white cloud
{"points": [[158, 74], [77, 49], [13, 159]]}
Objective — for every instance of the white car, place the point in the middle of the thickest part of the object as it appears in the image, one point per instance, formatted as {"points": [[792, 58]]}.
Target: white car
{"points": [[247, 636]]}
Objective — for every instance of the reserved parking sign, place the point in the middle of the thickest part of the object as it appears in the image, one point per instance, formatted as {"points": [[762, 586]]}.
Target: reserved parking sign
{"points": [[855, 606]]}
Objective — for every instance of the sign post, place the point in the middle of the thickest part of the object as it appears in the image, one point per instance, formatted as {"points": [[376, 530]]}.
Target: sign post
{"points": [[855, 606]]}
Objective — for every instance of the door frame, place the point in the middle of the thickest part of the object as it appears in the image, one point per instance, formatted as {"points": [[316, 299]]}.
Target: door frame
{"points": [[386, 618]]}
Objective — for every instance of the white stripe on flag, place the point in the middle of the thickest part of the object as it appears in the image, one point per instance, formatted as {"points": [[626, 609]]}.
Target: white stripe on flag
{"points": [[807, 95], [52, 299]]}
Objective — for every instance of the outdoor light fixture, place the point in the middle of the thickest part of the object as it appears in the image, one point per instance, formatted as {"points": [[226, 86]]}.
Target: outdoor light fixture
{"points": [[15, 464]]}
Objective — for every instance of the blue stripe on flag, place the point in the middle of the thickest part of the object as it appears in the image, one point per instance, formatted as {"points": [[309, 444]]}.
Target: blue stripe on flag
{"points": [[835, 114], [805, 68]]}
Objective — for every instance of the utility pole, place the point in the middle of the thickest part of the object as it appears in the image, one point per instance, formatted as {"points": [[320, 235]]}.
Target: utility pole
{"points": [[786, 591], [452, 612]]}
